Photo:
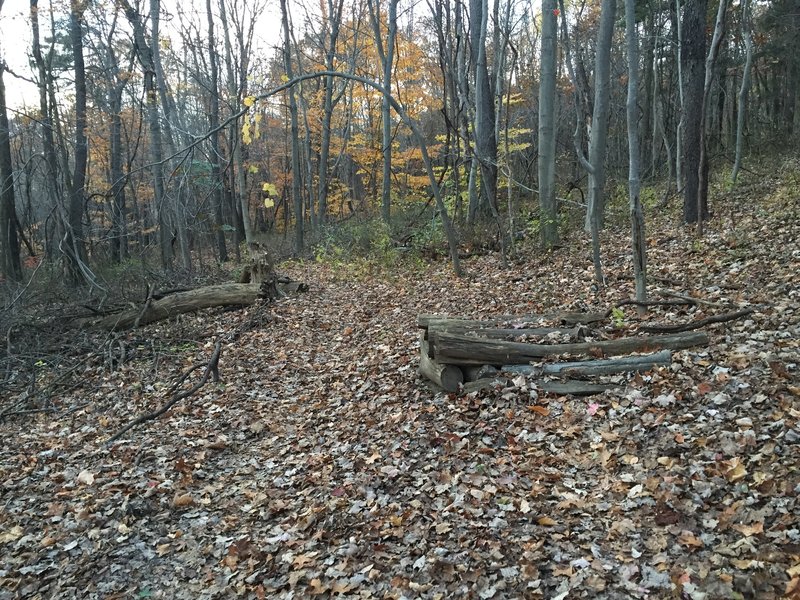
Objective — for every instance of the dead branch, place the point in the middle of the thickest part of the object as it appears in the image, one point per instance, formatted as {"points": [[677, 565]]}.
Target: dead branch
{"points": [[212, 369], [690, 299], [697, 324]]}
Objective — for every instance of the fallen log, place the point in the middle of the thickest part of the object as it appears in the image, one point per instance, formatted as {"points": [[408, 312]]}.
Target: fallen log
{"points": [[178, 303], [467, 350], [447, 377], [427, 321], [572, 333], [574, 388], [503, 333], [586, 368]]}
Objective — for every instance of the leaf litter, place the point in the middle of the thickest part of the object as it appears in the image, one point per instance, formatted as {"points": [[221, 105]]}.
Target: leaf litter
{"points": [[321, 465]]}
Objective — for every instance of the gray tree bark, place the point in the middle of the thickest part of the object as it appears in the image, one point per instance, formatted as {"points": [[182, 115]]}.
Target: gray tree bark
{"points": [[297, 195], [747, 36], [547, 133], [638, 241], [10, 266], [598, 138], [213, 122], [693, 56]]}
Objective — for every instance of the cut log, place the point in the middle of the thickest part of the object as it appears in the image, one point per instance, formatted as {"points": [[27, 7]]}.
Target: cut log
{"points": [[585, 368], [426, 321], [503, 333], [466, 350], [447, 377], [572, 333], [575, 388], [475, 372]]}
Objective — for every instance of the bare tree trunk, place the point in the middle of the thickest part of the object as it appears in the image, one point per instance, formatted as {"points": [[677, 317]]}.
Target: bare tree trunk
{"points": [[333, 21], [10, 266], [635, 205], [693, 55], [547, 131], [386, 56], [145, 55], [711, 61], [747, 35], [598, 137], [74, 246], [54, 188], [297, 194], [485, 141], [213, 122]]}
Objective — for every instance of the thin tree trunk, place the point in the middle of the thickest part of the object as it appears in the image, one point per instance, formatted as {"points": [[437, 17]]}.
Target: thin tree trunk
{"points": [[297, 194], [10, 266], [547, 131], [711, 61], [74, 244], [216, 154], [747, 35], [693, 56], [635, 205], [145, 55]]}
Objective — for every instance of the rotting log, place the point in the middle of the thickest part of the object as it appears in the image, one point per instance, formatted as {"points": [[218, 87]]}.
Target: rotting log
{"points": [[503, 333], [586, 368], [447, 377], [467, 350], [183, 302], [475, 372], [575, 388], [574, 333], [426, 321]]}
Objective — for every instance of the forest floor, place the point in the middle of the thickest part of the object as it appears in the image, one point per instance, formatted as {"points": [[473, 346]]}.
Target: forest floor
{"points": [[321, 465]]}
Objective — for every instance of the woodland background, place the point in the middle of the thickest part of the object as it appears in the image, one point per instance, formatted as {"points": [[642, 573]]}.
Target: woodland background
{"points": [[476, 159], [161, 136]]}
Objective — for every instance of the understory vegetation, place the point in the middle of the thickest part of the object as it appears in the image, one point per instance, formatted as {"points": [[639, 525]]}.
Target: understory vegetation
{"points": [[319, 464]]}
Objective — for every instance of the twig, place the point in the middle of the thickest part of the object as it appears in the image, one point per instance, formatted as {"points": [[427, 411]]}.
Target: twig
{"points": [[697, 324], [146, 307], [691, 299], [655, 303], [212, 368]]}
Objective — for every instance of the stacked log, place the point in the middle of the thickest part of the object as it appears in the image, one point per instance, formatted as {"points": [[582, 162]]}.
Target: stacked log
{"points": [[457, 353]]}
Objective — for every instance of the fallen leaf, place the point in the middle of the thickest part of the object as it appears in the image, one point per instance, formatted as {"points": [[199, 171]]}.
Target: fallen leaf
{"points": [[86, 477], [182, 500]]}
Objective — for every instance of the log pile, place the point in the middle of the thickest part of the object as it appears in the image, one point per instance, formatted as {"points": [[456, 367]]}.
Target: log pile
{"points": [[463, 354]]}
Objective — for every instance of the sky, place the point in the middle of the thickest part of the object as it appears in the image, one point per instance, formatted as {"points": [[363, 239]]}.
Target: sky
{"points": [[15, 40]]}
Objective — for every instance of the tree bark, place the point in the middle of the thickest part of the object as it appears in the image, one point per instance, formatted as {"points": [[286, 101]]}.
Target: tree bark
{"points": [[588, 368], [448, 377], [548, 215], [638, 241], [297, 195], [741, 112], [10, 266], [74, 245], [213, 122], [693, 56], [598, 138], [467, 350]]}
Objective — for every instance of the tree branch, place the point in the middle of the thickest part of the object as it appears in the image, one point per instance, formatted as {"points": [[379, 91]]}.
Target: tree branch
{"points": [[212, 369]]}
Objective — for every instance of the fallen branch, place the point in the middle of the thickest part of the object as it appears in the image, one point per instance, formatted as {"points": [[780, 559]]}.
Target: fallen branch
{"points": [[585, 368], [212, 369], [690, 299], [697, 324], [466, 350]]}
